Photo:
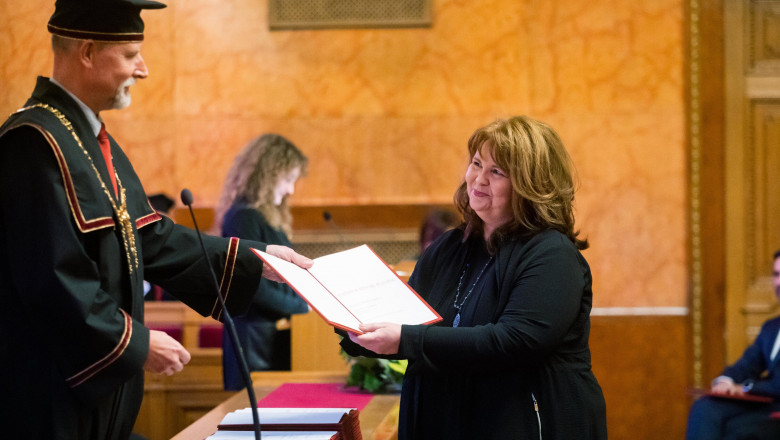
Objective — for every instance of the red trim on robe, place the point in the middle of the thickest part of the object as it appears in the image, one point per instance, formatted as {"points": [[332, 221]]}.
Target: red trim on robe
{"points": [[84, 225], [145, 220], [70, 190], [80, 377], [227, 277]]}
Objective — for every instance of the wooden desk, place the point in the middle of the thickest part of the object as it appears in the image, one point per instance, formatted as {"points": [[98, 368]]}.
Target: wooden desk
{"points": [[378, 420], [314, 345]]}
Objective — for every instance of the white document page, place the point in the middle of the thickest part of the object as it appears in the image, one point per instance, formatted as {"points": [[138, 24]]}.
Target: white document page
{"points": [[352, 287], [365, 285], [275, 435], [286, 416], [312, 291]]}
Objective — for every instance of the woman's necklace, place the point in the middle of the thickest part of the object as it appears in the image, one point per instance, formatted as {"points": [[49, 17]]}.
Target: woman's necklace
{"points": [[456, 322]]}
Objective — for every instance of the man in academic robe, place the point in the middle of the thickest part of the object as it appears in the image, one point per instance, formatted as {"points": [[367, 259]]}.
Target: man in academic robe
{"points": [[78, 237]]}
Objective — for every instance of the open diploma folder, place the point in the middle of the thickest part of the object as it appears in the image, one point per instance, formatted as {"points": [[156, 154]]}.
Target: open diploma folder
{"points": [[353, 287]]}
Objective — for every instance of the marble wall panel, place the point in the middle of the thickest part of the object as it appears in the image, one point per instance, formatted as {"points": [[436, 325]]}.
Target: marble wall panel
{"points": [[384, 114]]}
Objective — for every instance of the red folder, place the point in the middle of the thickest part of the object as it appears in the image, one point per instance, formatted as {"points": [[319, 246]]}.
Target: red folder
{"points": [[746, 397]]}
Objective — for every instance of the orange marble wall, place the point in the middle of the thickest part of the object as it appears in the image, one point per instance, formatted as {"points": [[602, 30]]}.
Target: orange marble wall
{"points": [[384, 114]]}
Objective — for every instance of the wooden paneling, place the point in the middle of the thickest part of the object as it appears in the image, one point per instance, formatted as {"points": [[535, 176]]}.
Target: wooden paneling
{"points": [[315, 345], [357, 217], [378, 420], [764, 37], [173, 402], [641, 363], [159, 315], [642, 366], [707, 182], [351, 217], [764, 194], [752, 160]]}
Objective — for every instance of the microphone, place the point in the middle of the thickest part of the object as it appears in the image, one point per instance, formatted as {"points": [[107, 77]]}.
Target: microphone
{"points": [[329, 219], [186, 198]]}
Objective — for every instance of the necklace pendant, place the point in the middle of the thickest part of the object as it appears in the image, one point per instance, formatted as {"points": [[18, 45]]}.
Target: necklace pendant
{"points": [[126, 227], [456, 322]]}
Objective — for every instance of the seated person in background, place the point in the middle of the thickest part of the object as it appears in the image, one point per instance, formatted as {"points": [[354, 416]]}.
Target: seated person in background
{"points": [[161, 203], [757, 372], [436, 223], [253, 205]]}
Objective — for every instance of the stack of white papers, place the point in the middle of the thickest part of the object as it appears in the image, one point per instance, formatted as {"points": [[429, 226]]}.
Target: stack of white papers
{"points": [[275, 435], [286, 416]]}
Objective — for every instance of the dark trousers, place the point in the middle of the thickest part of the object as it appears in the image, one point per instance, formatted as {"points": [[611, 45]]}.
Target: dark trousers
{"points": [[723, 419]]}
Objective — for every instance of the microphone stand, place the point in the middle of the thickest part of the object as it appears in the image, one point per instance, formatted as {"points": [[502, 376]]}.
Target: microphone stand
{"points": [[329, 219], [186, 198]]}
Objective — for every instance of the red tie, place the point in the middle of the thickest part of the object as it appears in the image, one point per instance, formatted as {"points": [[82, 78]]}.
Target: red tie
{"points": [[105, 147]]}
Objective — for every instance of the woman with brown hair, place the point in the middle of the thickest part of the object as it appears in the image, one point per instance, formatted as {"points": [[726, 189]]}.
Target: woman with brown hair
{"points": [[254, 206], [510, 360]]}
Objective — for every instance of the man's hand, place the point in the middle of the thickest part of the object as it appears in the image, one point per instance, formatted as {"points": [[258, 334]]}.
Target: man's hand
{"points": [[166, 355], [727, 388], [381, 338], [286, 254]]}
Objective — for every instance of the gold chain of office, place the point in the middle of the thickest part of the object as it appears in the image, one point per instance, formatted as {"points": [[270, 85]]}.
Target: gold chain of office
{"points": [[122, 215]]}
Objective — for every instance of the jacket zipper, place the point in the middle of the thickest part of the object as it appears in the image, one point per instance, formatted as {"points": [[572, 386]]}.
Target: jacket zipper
{"points": [[538, 418]]}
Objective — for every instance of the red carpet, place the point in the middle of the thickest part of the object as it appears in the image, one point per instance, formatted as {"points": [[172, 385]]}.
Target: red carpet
{"points": [[315, 395]]}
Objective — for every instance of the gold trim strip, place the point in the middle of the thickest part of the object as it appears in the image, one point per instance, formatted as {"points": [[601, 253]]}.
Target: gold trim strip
{"points": [[112, 37], [695, 191]]}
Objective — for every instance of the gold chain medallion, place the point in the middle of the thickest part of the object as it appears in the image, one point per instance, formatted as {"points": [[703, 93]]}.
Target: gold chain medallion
{"points": [[122, 215]]}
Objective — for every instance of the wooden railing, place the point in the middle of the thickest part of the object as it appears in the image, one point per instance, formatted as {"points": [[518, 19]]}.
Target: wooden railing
{"points": [[173, 402], [183, 323], [618, 345]]}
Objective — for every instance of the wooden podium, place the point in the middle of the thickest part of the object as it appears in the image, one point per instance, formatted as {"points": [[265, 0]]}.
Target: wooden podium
{"points": [[378, 420]]}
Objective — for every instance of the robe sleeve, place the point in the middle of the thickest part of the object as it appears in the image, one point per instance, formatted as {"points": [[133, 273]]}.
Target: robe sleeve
{"points": [[275, 300], [173, 259]]}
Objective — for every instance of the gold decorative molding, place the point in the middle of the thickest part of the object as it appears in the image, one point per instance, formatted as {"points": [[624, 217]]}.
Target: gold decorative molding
{"points": [[694, 126], [322, 14]]}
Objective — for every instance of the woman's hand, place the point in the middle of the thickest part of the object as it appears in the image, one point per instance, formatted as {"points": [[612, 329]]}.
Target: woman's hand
{"points": [[381, 337]]}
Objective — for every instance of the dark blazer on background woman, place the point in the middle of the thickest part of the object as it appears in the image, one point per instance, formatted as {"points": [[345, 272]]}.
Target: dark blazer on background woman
{"points": [[265, 347]]}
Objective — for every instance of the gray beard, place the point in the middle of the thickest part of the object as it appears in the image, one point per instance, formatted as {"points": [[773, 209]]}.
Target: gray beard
{"points": [[122, 99]]}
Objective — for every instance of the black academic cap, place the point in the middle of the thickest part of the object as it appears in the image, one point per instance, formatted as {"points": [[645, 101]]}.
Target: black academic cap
{"points": [[116, 21], [161, 202]]}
